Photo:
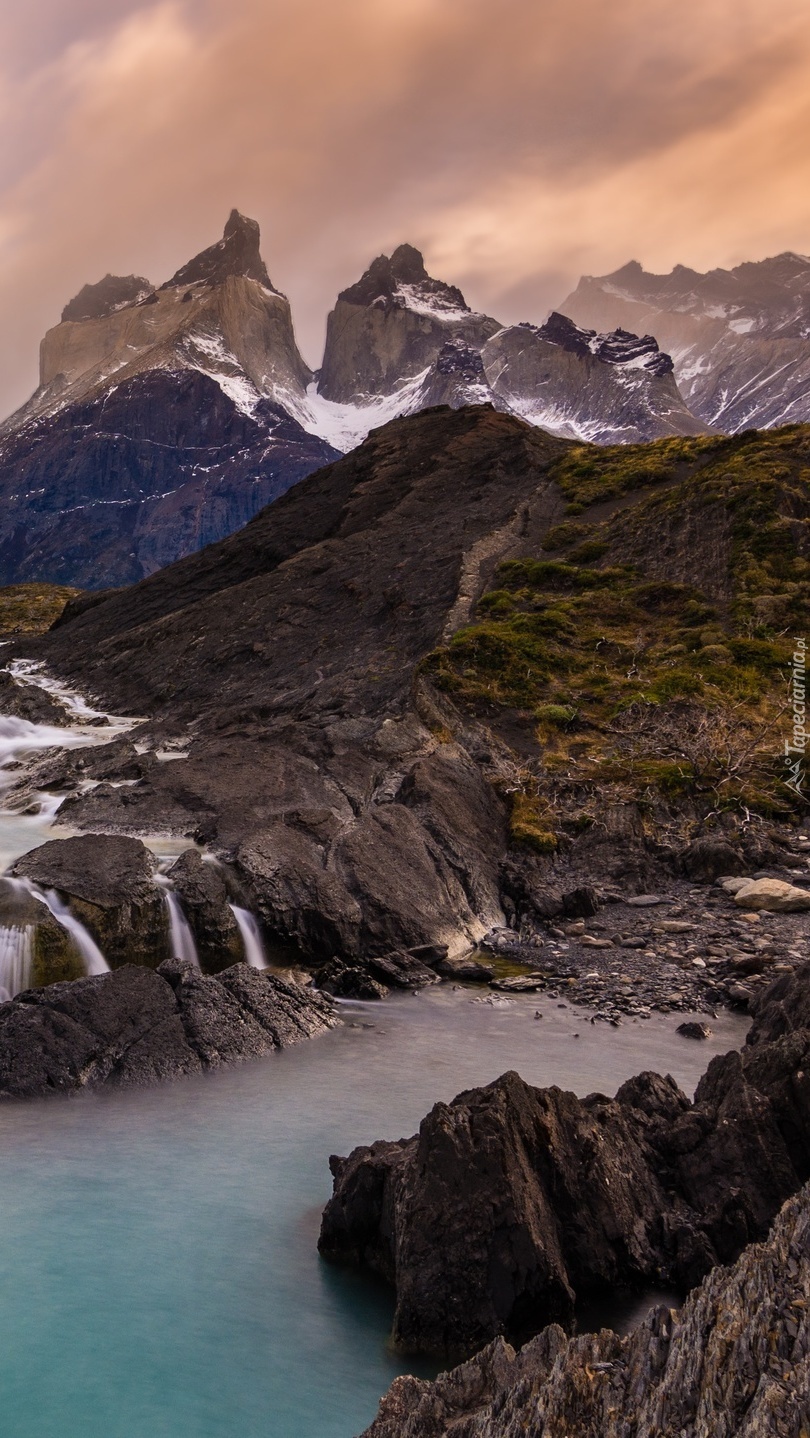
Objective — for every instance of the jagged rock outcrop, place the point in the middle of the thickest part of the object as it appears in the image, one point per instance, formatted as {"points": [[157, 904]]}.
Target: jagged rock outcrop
{"points": [[733, 1362], [136, 1026], [512, 1202], [738, 337], [608, 388], [162, 422]]}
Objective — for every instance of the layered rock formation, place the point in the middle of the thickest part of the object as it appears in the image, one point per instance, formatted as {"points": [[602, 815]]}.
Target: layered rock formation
{"points": [[161, 422], [512, 1203], [738, 337], [734, 1362], [136, 1026]]}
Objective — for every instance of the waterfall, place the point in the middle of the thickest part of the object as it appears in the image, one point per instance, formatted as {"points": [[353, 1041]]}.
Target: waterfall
{"points": [[183, 945], [251, 938], [94, 960], [16, 961]]}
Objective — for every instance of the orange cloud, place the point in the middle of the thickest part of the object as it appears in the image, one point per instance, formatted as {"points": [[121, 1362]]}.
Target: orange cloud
{"points": [[518, 144]]}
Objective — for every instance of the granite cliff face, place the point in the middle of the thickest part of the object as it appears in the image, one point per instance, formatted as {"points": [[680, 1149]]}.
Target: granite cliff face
{"points": [[738, 338], [157, 426]]}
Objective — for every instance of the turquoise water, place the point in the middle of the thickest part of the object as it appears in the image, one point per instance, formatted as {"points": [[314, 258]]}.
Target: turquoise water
{"points": [[158, 1270]]}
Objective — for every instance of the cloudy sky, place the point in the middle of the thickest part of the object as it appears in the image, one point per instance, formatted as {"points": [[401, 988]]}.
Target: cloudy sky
{"points": [[519, 143]]}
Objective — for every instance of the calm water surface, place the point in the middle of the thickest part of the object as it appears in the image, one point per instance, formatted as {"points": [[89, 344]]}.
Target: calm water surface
{"points": [[158, 1270]]}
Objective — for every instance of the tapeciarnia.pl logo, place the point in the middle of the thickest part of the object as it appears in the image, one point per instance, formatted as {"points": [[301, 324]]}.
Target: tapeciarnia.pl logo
{"points": [[796, 746]]}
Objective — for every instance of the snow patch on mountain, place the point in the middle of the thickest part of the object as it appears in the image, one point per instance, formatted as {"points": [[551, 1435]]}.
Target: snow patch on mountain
{"points": [[344, 426]]}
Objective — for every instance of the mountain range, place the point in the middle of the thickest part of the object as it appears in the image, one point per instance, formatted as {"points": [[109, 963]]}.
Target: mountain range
{"points": [[739, 339], [166, 417]]}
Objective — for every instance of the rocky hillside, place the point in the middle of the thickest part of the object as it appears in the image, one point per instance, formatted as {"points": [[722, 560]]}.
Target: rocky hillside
{"points": [[459, 673], [738, 338], [157, 426]]}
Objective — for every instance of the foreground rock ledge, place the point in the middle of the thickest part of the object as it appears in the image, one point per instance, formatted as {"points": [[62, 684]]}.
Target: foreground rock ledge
{"points": [[512, 1203], [136, 1026], [734, 1362]]}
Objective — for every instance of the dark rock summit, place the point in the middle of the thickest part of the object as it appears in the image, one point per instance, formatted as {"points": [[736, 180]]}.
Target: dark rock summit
{"points": [[237, 253], [512, 1203], [93, 302], [136, 1026]]}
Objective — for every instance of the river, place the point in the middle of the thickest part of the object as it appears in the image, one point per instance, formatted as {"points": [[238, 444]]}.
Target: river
{"points": [[158, 1268]]}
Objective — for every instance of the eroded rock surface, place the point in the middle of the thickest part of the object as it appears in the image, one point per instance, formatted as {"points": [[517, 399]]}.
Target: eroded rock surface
{"points": [[734, 1362]]}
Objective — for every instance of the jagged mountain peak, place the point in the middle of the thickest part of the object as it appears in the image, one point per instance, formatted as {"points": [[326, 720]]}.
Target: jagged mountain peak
{"points": [[617, 347], [237, 253], [401, 280], [114, 292]]}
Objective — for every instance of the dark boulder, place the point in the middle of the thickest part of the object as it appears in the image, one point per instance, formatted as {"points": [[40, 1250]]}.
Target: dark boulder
{"points": [[136, 1026], [400, 970], [109, 883], [349, 981], [708, 859], [581, 903]]}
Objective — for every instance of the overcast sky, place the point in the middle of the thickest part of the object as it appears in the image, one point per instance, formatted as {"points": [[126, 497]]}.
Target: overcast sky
{"points": [[519, 143]]}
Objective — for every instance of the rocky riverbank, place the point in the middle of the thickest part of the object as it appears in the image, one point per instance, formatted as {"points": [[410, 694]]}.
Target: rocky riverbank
{"points": [[136, 1026], [734, 1362], [512, 1204]]}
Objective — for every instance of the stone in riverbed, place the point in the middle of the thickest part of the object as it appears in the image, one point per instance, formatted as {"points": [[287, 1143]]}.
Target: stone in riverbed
{"points": [[773, 895], [349, 981], [400, 970], [694, 1031], [468, 971]]}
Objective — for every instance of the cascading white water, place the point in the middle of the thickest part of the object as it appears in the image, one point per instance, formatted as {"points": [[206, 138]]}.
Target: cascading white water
{"points": [[183, 945], [94, 960], [251, 938], [16, 960]]}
